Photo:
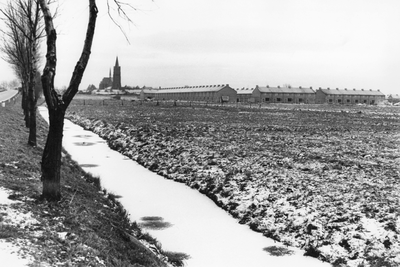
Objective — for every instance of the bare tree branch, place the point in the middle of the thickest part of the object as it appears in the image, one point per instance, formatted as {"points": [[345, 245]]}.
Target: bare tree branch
{"points": [[120, 9], [84, 59]]}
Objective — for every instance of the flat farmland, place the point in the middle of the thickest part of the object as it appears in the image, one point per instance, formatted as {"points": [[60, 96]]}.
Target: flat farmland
{"points": [[323, 178]]}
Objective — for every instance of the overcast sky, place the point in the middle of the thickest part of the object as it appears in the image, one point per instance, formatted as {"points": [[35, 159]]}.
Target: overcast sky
{"points": [[319, 43]]}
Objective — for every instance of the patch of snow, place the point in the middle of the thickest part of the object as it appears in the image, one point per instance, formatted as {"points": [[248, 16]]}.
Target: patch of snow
{"points": [[373, 228], [9, 255], [62, 235], [16, 218], [4, 193], [9, 252], [333, 251]]}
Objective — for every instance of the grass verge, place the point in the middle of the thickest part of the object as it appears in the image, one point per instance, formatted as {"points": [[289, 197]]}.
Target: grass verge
{"points": [[87, 227]]}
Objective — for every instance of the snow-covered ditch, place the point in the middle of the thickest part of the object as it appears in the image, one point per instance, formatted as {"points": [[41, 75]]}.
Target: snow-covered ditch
{"points": [[278, 196]]}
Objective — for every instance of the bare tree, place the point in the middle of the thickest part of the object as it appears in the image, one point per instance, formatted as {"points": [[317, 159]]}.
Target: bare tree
{"points": [[57, 103], [13, 84], [20, 48], [4, 85]]}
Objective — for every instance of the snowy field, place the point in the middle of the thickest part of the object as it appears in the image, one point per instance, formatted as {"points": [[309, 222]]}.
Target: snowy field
{"points": [[321, 180]]}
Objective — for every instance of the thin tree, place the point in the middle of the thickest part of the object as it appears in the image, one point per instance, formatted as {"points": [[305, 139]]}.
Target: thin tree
{"points": [[20, 47], [57, 104], [13, 50]]}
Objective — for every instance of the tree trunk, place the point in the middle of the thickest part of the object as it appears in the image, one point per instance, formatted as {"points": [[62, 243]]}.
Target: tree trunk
{"points": [[51, 159], [24, 105], [58, 104], [32, 141], [32, 112]]}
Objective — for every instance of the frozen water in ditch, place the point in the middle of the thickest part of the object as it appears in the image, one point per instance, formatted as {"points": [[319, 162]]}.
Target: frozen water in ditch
{"points": [[181, 218]]}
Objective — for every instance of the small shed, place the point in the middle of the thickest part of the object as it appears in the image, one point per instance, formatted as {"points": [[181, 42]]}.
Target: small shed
{"points": [[244, 95], [394, 98]]}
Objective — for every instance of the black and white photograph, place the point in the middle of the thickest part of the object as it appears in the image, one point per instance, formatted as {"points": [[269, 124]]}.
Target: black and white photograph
{"points": [[188, 133]]}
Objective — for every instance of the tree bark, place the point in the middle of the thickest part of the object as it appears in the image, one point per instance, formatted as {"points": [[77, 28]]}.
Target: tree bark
{"points": [[32, 140], [32, 109], [57, 104], [51, 159], [24, 104]]}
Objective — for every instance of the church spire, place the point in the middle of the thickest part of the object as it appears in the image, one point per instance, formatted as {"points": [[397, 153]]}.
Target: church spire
{"points": [[116, 80], [116, 62]]}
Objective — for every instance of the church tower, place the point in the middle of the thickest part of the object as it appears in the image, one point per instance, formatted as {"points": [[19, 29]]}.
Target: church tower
{"points": [[116, 81]]}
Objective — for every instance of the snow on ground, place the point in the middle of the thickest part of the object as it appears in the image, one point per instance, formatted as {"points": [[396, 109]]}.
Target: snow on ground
{"points": [[9, 253], [336, 197], [209, 235]]}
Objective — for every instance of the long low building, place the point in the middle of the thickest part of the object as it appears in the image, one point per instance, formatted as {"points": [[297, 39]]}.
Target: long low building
{"points": [[291, 95], [208, 93], [345, 96]]}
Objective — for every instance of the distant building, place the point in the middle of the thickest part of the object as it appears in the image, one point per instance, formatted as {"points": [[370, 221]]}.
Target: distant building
{"points": [[88, 90], [137, 90], [395, 98], [244, 95], [207, 93], [112, 82], [290, 95], [106, 82], [116, 83], [351, 96]]}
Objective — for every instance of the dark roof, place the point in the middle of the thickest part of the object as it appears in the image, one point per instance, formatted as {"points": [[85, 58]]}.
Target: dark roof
{"points": [[285, 90], [191, 89], [352, 92]]}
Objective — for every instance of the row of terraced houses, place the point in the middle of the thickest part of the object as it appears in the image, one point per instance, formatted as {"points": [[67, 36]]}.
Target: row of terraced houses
{"points": [[267, 94]]}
